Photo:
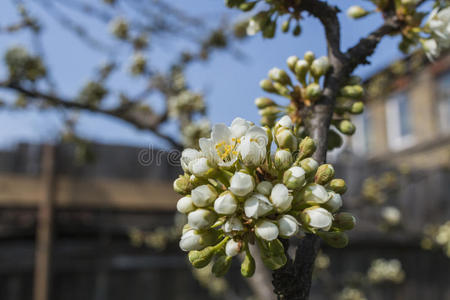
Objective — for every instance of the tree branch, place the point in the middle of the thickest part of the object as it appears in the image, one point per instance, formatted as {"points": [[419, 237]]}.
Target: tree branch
{"points": [[140, 120]]}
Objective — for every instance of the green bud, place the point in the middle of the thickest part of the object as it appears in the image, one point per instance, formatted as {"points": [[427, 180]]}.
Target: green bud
{"points": [[263, 102], [301, 69], [356, 12], [320, 67], [269, 30], [334, 140], [279, 75], [291, 62], [285, 26], [306, 148], [248, 265], [283, 159], [344, 221], [334, 239], [182, 184], [342, 105], [313, 91], [267, 85], [269, 111], [324, 174], [309, 57], [286, 139], [357, 108], [248, 6], [297, 30], [200, 259], [310, 165], [268, 121], [294, 178], [338, 185], [281, 89], [346, 127], [221, 265], [272, 253], [352, 91]]}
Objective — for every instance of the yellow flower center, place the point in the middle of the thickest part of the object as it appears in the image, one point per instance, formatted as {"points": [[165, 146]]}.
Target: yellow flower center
{"points": [[226, 151]]}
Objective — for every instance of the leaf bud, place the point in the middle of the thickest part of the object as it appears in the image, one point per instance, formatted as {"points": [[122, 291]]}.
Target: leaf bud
{"points": [[248, 265]]}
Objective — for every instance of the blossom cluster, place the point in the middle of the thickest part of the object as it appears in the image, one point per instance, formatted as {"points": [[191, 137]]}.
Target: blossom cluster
{"points": [[236, 191], [309, 71]]}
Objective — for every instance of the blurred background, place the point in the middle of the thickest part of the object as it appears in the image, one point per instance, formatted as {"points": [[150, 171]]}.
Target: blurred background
{"points": [[99, 97]]}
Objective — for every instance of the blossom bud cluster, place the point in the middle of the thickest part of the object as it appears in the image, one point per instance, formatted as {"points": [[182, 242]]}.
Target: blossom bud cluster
{"points": [[236, 192], [24, 66], [308, 72]]}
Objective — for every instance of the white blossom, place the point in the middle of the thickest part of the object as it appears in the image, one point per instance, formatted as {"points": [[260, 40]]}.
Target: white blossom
{"points": [[253, 146], [239, 127], [201, 218], [233, 224], [191, 240], [266, 230], [199, 167], [242, 184], [294, 178], [187, 156], [335, 201], [257, 206], [315, 194], [221, 148], [225, 204]]}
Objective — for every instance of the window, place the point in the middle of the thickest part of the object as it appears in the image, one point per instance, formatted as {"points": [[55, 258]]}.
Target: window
{"points": [[399, 123], [443, 97], [361, 140]]}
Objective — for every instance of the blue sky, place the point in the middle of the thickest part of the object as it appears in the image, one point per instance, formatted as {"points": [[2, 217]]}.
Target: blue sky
{"points": [[230, 85]]}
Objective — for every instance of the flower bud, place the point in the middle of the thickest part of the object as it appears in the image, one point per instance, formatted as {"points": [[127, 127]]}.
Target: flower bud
{"points": [[192, 240], [313, 91], [309, 57], [315, 194], [221, 265], [241, 184], [284, 122], [233, 248], [283, 159], [356, 12], [318, 218], [280, 198], [352, 91], [267, 85], [263, 102], [301, 69], [297, 30], [324, 174], [334, 203], [285, 26], [185, 205], [307, 148], [203, 195], [310, 165], [248, 265], [200, 167], [268, 121], [200, 259], [182, 185], [201, 218], [266, 230], [334, 140], [225, 204], [344, 221], [334, 239], [269, 111], [320, 67], [291, 62], [257, 206], [357, 108], [264, 187], [233, 224], [294, 178], [187, 156], [279, 75], [281, 89], [338, 185], [287, 226], [346, 127], [286, 139]]}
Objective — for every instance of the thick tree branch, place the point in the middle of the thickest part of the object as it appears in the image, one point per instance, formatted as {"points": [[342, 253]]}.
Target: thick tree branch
{"points": [[141, 120]]}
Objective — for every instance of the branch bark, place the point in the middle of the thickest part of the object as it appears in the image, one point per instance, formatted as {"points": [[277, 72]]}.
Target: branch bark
{"points": [[293, 281]]}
